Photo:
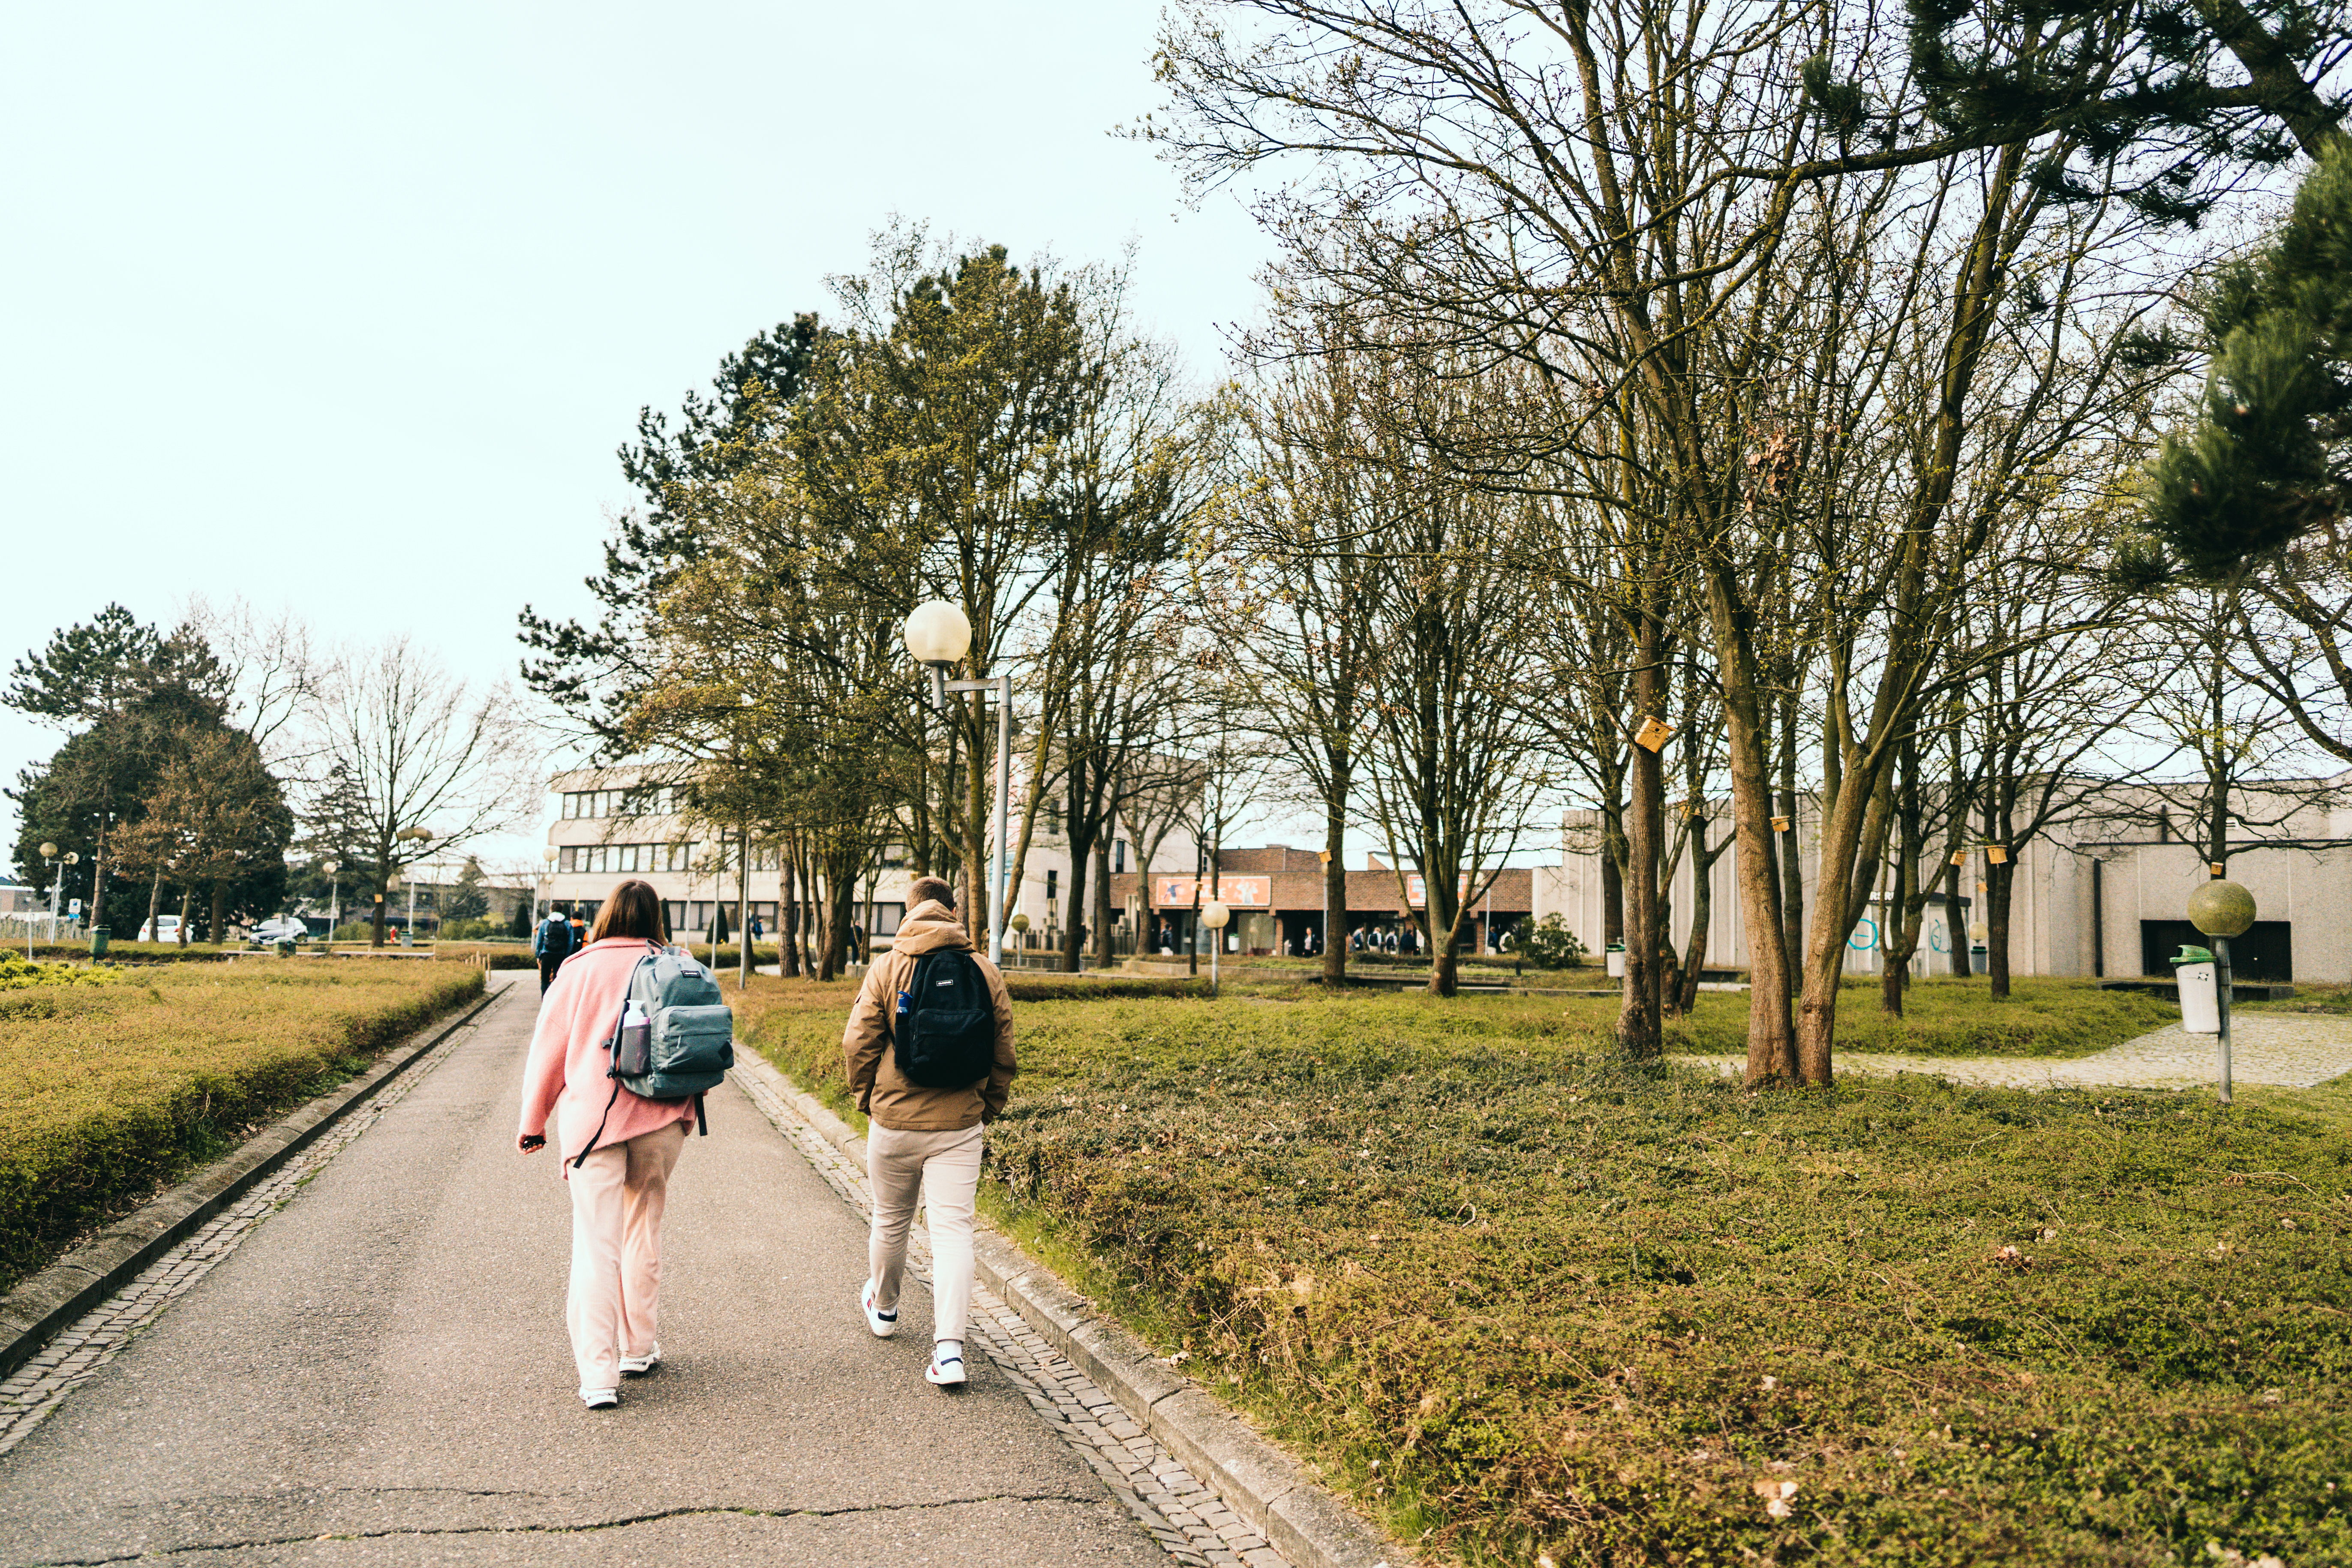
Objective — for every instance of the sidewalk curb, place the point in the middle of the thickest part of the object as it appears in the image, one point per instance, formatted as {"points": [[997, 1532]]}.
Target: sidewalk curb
{"points": [[40, 1308], [1269, 1490]]}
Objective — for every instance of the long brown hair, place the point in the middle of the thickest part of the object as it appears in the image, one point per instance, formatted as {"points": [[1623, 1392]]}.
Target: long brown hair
{"points": [[632, 909]]}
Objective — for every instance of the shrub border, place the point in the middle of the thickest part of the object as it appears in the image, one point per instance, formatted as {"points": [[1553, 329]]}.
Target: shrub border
{"points": [[1271, 1492], [49, 1302]]}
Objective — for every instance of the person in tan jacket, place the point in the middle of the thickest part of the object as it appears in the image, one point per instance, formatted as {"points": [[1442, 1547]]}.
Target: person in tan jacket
{"points": [[922, 1138]]}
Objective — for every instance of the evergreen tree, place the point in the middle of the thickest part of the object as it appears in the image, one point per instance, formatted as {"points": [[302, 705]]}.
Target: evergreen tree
{"points": [[467, 900], [2145, 97], [2270, 458], [129, 692], [593, 673]]}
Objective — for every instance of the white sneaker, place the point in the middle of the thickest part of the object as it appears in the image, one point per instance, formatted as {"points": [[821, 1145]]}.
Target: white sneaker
{"points": [[638, 1365], [946, 1365], [884, 1324], [600, 1398]]}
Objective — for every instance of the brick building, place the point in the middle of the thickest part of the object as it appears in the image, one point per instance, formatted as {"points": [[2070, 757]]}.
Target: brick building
{"points": [[1276, 897]]}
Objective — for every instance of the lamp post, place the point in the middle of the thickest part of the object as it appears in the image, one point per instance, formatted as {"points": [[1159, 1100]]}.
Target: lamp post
{"points": [[411, 835], [1020, 928], [1214, 914], [938, 635], [56, 890], [546, 854], [2222, 910], [49, 858], [334, 900]]}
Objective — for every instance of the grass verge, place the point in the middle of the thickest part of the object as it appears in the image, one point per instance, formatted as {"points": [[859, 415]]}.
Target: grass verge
{"points": [[1525, 1304], [110, 1092]]}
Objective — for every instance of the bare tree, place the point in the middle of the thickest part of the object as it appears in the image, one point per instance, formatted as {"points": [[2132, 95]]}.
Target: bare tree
{"points": [[432, 764]]}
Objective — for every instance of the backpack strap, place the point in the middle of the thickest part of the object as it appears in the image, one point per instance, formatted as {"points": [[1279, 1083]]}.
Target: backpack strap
{"points": [[600, 1126], [701, 1117]]}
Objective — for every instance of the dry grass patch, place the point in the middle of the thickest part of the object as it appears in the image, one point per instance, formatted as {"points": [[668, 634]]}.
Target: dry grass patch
{"points": [[1527, 1305], [108, 1092]]}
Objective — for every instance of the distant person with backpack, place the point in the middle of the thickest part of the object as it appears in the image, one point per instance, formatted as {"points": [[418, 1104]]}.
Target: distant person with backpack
{"points": [[930, 1056], [552, 944], [630, 1037]]}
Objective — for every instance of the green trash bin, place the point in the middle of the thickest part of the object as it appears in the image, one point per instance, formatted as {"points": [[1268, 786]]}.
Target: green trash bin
{"points": [[98, 939]]}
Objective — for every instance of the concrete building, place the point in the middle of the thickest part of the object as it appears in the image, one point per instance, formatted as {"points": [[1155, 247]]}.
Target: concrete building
{"points": [[613, 823], [2098, 897]]}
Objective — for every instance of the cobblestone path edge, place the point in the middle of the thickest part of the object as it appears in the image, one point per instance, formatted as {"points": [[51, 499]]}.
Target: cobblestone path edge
{"points": [[50, 1301], [1267, 1489]]}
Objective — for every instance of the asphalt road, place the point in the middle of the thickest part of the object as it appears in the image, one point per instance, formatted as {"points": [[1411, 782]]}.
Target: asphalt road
{"points": [[379, 1375]]}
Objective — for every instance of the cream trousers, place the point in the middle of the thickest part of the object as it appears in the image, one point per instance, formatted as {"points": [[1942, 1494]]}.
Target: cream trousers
{"points": [[617, 1194], [943, 1170]]}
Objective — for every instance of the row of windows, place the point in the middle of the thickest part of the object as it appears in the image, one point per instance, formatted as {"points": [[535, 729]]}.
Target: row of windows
{"points": [[624, 857], [595, 858], [648, 800]]}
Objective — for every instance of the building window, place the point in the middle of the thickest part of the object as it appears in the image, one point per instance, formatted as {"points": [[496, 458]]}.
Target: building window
{"points": [[674, 914], [626, 857], [566, 857], [887, 917], [1119, 856], [1053, 884]]}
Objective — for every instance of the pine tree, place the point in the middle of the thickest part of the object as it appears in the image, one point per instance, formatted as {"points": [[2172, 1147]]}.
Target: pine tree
{"points": [[2146, 97], [2270, 458]]}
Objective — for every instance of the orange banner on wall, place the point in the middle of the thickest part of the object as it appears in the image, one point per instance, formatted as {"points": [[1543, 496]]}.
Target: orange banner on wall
{"points": [[1240, 892]]}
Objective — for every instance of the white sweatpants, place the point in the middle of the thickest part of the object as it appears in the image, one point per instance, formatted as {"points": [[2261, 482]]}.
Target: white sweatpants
{"points": [[943, 1170]]}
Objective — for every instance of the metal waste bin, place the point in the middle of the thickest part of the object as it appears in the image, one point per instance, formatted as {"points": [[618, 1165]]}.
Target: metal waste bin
{"points": [[2200, 1003], [98, 937], [1616, 961]]}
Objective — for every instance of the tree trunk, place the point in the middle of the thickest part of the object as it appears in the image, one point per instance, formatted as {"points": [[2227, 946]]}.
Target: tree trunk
{"points": [[1998, 885], [1613, 878], [1637, 1021], [1770, 1054], [155, 905], [1790, 847], [1074, 929], [187, 898], [1702, 916], [1335, 880], [1103, 941], [788, 917]]}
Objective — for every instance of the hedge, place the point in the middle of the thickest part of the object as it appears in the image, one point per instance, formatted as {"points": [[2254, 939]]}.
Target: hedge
{"points": [[109, 1092]]}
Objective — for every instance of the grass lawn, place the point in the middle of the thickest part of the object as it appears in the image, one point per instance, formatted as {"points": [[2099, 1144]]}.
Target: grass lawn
{"points": [[110, 1092], [1525, 1305]]}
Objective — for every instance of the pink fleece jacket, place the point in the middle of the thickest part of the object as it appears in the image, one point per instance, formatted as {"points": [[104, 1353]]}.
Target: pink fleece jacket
{"points": [[566, 1074]]}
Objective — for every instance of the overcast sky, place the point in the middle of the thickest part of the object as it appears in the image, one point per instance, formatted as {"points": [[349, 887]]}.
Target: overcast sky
{"points": [[344, 308]]}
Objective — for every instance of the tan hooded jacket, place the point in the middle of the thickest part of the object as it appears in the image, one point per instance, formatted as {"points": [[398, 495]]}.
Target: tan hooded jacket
{"points": [[882, 1093]]}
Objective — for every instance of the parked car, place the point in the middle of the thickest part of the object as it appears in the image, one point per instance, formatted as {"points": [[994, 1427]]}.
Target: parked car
{"points": [[281, 928], [163, 928]]}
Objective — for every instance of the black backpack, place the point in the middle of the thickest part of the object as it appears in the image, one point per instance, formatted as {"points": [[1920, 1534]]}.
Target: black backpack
{"points": [[946, 1033], [554, 938]]}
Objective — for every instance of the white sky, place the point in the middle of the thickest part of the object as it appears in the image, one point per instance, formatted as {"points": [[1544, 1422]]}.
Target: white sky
{"points": [[345, 309]]}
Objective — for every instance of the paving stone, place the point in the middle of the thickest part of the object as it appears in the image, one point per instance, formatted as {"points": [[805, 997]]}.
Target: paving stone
{"points": [[1164, 1497], [2286, 1049]]}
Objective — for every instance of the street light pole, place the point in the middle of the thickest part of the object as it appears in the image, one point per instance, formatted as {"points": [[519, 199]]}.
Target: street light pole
{"points": [[2222, 910], [1213, 915], [1001, 686], [334, 901], [939, 634]]}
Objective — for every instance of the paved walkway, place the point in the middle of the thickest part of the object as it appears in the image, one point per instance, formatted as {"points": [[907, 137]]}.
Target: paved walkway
{"points": [[2284, 1049], [376, 1373]]}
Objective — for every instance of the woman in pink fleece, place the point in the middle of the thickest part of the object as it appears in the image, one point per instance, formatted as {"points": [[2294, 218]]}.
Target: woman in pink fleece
{"points": [[618, 1189]]}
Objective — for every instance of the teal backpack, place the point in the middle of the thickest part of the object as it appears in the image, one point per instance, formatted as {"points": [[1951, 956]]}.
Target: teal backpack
{"points": [[675, 1037]]}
